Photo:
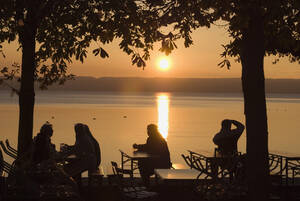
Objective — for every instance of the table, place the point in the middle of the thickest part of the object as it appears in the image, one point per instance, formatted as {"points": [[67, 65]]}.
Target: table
{"points": [[177, 174], [133, 157], [287, 162]]}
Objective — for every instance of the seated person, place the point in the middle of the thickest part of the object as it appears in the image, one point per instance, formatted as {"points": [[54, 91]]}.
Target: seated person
{"points": [[85, 153], [95, 143], [157, 146], [43, 159], [43, 149], [227, 138]]}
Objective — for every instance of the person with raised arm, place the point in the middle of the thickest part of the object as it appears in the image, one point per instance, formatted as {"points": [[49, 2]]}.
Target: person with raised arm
{"points": [[226, 139]]}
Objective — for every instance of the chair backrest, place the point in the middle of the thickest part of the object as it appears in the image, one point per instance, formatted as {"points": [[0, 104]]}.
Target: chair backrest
{"points": [[114, 166], [9, 153], [187, 160], [119, 171], [5, 167], [124, 176], [10, 148], [8, 168]]}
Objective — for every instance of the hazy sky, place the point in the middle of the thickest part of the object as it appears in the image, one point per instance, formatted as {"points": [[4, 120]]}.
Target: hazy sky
{"points": [[198, 61]]}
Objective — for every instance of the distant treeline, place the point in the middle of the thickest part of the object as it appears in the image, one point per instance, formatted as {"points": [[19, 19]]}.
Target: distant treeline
{"points": [[203, 85]]}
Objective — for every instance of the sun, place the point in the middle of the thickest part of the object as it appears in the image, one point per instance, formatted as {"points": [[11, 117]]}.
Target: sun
{"points": [[164, 64]]}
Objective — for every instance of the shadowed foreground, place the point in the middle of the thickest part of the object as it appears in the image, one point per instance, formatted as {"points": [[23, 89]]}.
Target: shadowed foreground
{"points": [[108, 190]]}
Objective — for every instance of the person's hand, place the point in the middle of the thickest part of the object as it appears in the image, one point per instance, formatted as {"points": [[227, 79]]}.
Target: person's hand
{"points": [[135, 146]]}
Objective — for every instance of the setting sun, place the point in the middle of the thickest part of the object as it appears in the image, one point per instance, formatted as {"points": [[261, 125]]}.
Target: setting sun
{"points": [[164, 64]]}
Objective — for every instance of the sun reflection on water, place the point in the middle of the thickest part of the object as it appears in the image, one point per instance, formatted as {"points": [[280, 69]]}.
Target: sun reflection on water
{"points": [[163, 114]]}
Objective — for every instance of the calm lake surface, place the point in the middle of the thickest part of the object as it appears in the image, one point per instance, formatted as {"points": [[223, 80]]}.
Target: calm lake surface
{"points": [[117, 120]]}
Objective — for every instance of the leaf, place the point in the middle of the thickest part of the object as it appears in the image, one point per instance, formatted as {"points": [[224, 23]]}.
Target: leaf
{"points": [[4, 70], [96, 51], [221, 64], [228, 65], [103, 53]]}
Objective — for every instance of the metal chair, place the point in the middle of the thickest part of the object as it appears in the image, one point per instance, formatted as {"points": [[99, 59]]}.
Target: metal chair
{"points": [[9, 153], [10, 148], [128, 187], [187, 160], [224, 181]]}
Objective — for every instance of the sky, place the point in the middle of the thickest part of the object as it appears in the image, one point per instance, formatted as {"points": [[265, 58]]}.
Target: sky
{"points": [[198, 61]]}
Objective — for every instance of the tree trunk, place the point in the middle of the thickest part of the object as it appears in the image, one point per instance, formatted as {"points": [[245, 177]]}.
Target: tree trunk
{"points": [[26, 96], [253, 82]]}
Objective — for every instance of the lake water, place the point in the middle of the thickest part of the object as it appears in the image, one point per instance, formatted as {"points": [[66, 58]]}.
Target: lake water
{"points": [[117, 120]]}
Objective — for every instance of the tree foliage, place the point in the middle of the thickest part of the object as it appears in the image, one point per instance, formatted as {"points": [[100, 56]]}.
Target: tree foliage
{"points": [[66, 29], [257, 28], [280, 17]]}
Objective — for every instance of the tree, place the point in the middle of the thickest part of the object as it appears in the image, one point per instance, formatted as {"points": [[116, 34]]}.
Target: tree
{"points": [[257, 28], [52, 32]]}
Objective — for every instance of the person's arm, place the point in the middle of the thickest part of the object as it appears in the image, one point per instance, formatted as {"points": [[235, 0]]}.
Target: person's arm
{"points": [[141, 147], [239, 128]]}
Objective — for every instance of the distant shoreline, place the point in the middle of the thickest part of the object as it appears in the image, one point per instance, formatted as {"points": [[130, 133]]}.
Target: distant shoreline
{"points": [[172, 85]]}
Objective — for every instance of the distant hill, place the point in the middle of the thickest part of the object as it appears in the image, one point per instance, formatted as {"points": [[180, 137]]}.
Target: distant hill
{"points": [[203, 85]]}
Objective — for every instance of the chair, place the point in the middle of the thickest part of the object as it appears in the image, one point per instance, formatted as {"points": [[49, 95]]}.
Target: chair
{"points": [[187, 160], [224, 178], [276, 170], [9, 153], [128, 186], [9, 170], [13, 150], [295, 171]]}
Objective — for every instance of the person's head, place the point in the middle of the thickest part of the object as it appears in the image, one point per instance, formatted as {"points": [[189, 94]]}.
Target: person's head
{"points": [[226, 125], [152, 130], [46, 129], [87, 129], [79, 130]]}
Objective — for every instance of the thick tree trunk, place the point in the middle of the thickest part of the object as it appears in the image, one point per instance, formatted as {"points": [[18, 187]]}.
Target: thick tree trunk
{"points": [[253, 82], [26, 97]]}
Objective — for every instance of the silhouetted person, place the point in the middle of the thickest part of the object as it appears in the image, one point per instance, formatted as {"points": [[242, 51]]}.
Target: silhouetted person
{"points": [[84, 151], [227, 138], [157, 146], [95, 144], [43, 149]]}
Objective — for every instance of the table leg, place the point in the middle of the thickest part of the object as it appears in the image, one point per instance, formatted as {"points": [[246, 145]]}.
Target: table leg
{"points": [[131, 161], [122, 161]]}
